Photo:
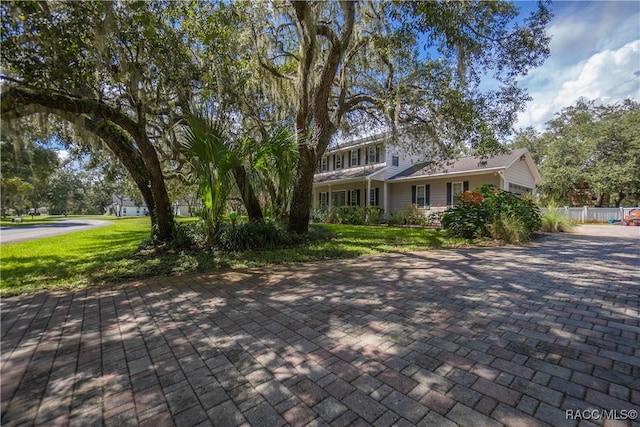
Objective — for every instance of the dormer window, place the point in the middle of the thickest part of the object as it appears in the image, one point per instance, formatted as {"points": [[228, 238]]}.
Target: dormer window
{"points": [[338, 161]]}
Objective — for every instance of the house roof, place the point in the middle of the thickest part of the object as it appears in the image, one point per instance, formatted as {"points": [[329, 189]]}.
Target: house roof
{"points": [[351, 173], [464, 165], [359, 142]]}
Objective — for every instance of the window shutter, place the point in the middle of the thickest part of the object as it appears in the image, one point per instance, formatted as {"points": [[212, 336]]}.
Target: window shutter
{"points": [[348, 201], [377, 154], [358, 197], [358, 157], [427, 194], [449, 193], [334, 162], [377, 200], [342, 162], [465, 186], [413, 194]]}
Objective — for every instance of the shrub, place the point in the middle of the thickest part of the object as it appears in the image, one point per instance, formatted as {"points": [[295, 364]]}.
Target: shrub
{"points": [[373, 215], [352, 215], [411, 215], [253, 235], [491, 212], [509, 228], [554, 221]]}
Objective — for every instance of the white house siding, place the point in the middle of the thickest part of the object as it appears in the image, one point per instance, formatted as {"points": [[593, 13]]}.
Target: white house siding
{"points": [[520, 174], [400, 191], [134, 211]]}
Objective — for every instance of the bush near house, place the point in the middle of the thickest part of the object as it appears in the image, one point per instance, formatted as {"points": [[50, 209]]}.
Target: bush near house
{"points": [[491, 212], [554, 220], [351, 215]]}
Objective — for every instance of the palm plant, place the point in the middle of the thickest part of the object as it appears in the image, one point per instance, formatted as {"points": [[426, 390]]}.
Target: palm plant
{"points": [[212, 158], [275, 160]]}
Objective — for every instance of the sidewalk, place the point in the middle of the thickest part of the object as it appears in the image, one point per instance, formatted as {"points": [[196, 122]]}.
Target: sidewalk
{"points": [[481, 337]]}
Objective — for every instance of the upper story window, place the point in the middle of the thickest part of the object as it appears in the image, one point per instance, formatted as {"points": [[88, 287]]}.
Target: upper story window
{"points": [[324, 165], [372, 154], [395, 161], [338, 161], [354, 158]]}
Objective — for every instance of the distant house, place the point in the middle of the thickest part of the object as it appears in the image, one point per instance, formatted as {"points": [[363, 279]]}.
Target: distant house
{"points": [[373, 172], [124, 206], [127, 207]]}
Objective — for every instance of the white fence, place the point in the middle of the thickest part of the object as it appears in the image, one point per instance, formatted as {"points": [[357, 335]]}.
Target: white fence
{"points": [[589, 214]]}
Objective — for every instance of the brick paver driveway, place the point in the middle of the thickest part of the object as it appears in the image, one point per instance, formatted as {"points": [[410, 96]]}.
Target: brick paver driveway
{"points": [[542, 334]]}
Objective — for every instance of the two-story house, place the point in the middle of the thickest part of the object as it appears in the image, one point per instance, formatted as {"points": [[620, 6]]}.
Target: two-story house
{"points": [[357, 173], [375, 172]]}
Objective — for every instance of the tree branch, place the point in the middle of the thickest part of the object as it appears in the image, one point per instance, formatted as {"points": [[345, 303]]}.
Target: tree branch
{"points": [[273, 70]]}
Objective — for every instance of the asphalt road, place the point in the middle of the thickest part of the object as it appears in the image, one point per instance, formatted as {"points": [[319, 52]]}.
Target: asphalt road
{"points": [[32, 232]]}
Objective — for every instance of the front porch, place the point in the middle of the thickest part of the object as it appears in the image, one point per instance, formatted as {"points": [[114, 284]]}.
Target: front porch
{"points": [[367, 192]]}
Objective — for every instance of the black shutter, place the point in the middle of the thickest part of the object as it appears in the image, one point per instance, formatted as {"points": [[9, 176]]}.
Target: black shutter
{"points": [[427, 195], [348, 201], [377, 154], [334, 162], [358, 197], [413, 194], [358, 157], [449, 193], [377, 198], [465, 186]]}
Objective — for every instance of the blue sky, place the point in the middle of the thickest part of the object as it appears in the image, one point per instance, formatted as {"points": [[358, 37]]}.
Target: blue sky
{"points": [[595, 54]]}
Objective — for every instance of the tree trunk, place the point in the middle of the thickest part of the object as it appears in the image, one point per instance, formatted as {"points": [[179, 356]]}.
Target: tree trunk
{"points": [[301, 200], [251, 202], [121, 146], [599, 200], [159, 204], [163, 216]]}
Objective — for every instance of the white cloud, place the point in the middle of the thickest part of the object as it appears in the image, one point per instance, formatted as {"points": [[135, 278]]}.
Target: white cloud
{"points": [[595, 54], [608, 76]]}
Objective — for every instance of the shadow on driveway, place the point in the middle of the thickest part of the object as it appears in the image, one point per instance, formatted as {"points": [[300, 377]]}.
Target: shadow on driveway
{"points": [[491, 336]]}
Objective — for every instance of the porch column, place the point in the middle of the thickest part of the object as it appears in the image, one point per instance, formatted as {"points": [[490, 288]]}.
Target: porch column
{"points": [[386, 197]]}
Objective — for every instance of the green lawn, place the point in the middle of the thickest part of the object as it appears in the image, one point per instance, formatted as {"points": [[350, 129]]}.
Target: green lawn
{"points": [[114, 253]]}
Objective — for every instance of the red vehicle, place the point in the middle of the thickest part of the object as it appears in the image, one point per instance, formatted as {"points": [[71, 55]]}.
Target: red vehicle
{"points": [[633, 218]]}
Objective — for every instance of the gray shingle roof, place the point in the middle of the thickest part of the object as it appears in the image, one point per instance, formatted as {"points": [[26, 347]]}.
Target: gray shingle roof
{"points": [[463, 164]]}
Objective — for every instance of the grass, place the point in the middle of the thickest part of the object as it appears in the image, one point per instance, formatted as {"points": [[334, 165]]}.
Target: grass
{"points": [[114, 253], [554, 221]]}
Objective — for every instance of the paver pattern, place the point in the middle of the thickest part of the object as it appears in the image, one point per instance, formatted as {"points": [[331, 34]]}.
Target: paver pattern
{"points": [[476, 337]]}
